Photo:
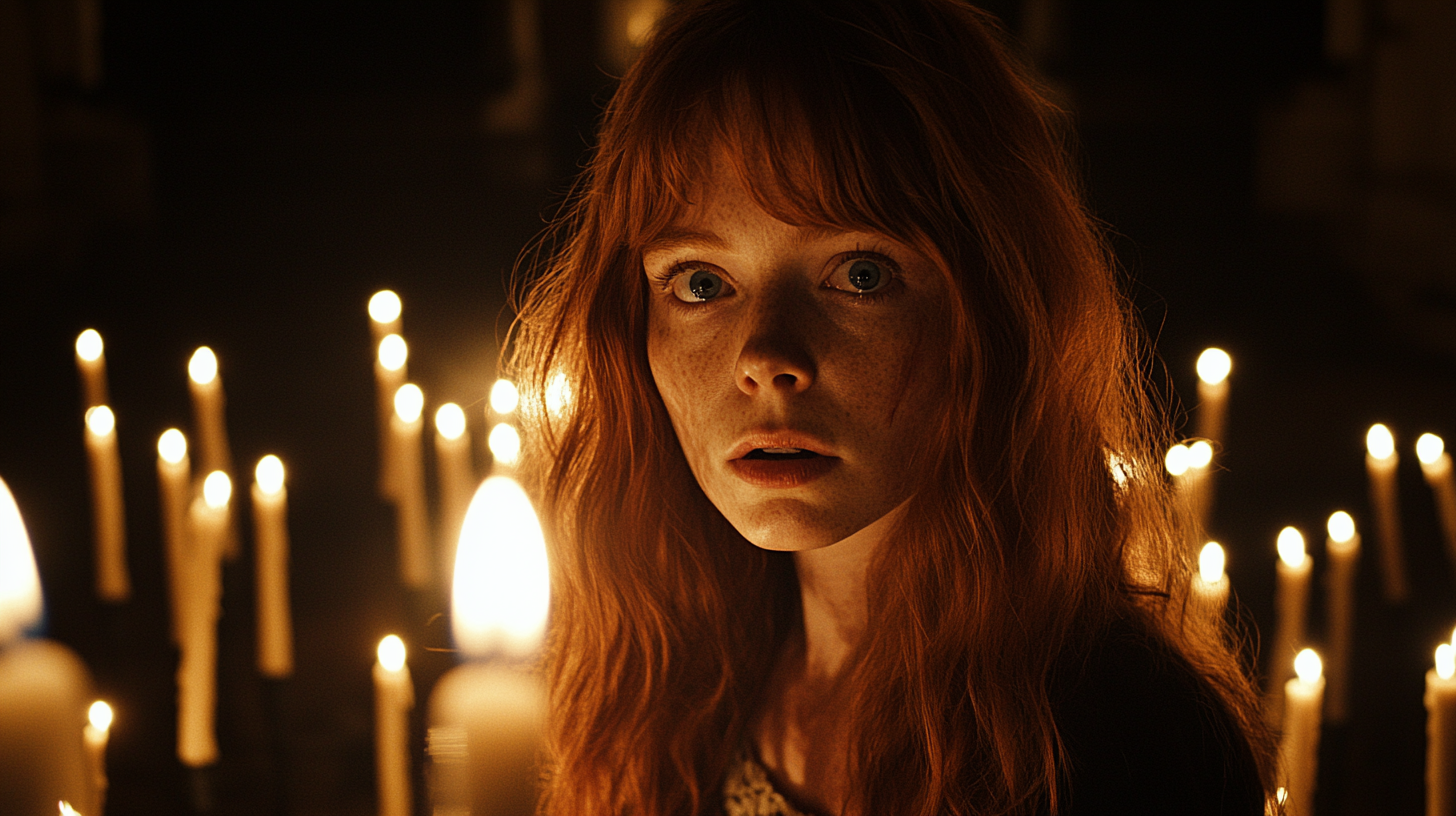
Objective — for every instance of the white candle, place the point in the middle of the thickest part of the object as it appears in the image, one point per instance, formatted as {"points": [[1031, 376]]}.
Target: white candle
{"points": [[1380, 464], [1198, 481], [505, 447], [385, 309], [174, 475], [1343, 548], [392, 353], [91, 362], [210, 429], [113, 581], [1436, 466], [197, 672], [394, 696], [270, 528], [1441, 733], [456, 471], [1213, 366], [1299, 747], [1292, 598], [1211, 584], [407, 428], [504, 397], [96, 734], [487, 716]]}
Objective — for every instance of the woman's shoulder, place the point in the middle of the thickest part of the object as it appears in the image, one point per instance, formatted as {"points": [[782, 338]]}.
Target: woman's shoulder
{"points": [[1143, 732]]}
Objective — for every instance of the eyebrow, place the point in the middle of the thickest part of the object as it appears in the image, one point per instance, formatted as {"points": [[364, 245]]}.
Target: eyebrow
{"points": [[679, 237]]}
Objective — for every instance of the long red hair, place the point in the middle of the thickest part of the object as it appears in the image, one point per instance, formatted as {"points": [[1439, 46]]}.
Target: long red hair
{"points": [[912, 119]]}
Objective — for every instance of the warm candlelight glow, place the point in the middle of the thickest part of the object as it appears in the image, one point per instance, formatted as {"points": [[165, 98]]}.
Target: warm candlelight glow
{"points": [[67, 810], [558, 394], [1200, 454], [100, 421], [1429, 448], [202, 368], [100, 715], [385, 307], [1341, 527], [89, 345], [1211, 563], [1307, 665], [20, 602], [172, 446], [1214, 365], [269, 473], [409, 402], [505, 443], [1445, 661], [393, 352], [1177, 460], [217, 488], [391, 653], [1281, 795], [502, 585], [504, 397], [1379, 442], [1291, 547], [450, 421]]}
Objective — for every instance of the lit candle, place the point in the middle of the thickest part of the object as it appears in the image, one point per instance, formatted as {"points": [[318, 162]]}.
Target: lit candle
{"points": [[1299, 747], [1198, 481], [91, 362], [505, 447], [487, 715], [202, 574], [270, 528], [209, 427], [96, 734], [1343, 548], [389, 374], [1294, 568], [407, 428], [1441, 733], [384, 313], [456, 474], [44, 689], [504, 397], [113, 581], [1380, 464], [1211, 584], [1213, 366], [394, 696], [1436, 465], [174, 475]]}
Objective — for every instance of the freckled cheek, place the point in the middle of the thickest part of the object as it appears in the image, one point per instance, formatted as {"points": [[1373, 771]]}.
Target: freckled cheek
{"points": [[681, 368]]}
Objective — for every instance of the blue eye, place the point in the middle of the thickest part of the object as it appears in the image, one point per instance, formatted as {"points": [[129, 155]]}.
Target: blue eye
{"points": [[861, 276], [698, 285]]}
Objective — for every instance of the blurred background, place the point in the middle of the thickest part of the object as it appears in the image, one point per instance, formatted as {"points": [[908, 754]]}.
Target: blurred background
{"points": [[1278, 179]]}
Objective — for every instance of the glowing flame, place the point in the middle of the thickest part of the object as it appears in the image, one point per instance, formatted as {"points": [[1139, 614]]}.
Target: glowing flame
{"points": [[1211, 561], [1341, 527], [100, 715], [89, 345], [1429, 448], [1177, 460], [100, 421], [502, 585], [391, 653], [409, 402], [558, 394], [217, 489], [504, 397], [1379, 442], [269, 474], [393, 352], [172, 445], [20, 602], [450, 421], [1200, 454], [1307, 665], [202, 368], [1214, 365], [505, 444], [385, 307], [1445, 661], [1291, 547]]}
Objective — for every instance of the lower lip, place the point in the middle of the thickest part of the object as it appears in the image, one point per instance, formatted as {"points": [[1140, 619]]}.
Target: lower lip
{"points": [[784, 472]]}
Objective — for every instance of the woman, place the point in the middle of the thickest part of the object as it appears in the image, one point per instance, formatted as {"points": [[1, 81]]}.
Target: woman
{"points": [[855, 504]]}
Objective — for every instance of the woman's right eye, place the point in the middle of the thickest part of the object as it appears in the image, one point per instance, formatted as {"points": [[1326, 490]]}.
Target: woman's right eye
{"points": [[696, 284]]}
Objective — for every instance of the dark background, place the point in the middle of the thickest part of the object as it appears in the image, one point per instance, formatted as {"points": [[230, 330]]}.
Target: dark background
{"points": [[245, 175]]}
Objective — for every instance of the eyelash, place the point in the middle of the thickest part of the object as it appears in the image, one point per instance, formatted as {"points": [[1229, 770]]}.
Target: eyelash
{"points": [[662, 281]]}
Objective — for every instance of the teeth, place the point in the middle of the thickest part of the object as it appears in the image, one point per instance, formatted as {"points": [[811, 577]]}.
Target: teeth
{"points": [[782, 450]]}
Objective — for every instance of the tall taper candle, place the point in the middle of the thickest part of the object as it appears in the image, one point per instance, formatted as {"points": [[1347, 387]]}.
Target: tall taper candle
{"points": [[1299, 747], [1343, 547], [91, 362], [174, 475], [210, 428], [1441, 733], [390, 359], [407, 428], [1380, 464], [1436, 465], [96, 734], [270, 527], [1291, 602], [197, 672], [1211, 583], [1213, 367], [456, 471], [394, 696], [113, 581]]}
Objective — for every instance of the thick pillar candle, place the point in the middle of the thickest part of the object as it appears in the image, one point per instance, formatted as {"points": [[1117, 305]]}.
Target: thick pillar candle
{"points": [[1291, 601], [91, 363], [210, 428], [174, 476], [394, 696], [113, 581], [96, 734], [392, 353], [1380, 465], [270, 527], [1343, 548], [1299, 746], [1441, 733], [1213, 366], [407, 428], [456, 470], [1436, 466], [1211, 583], [197, 672]]}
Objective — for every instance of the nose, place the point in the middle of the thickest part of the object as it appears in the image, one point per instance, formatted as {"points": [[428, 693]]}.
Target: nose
{"points": [[774, 354]]}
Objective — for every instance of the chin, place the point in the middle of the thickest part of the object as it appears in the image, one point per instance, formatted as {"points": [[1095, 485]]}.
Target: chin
{"points": [[800, 529]]}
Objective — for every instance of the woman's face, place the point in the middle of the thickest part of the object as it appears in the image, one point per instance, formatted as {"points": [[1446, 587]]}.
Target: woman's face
{"points": [[796, 365]]}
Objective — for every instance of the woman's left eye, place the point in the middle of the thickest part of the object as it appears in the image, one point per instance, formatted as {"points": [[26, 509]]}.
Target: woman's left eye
{"points": [[861, 275]]}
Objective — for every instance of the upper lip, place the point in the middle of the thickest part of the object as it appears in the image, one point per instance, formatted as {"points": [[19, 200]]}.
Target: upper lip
{"points": [[753, 440]]}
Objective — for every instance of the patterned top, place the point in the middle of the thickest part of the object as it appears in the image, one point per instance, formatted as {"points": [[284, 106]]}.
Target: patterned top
{"points": [[748, 791]]}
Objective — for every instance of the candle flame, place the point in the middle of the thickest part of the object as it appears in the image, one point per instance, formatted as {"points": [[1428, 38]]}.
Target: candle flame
{"points": [[202, 368], [1341, 527], [393, 352], [1379, 442], [504, 397], [502, 584], [1291, 547], [1429, 448], [1200, 454], [89, 345], [20, 601], [391, 653], [217, 489], [172, 445], [269, 474], [409, 402], [1307, 665], [1214, 365], [385, 307], [450, 421], [1445, 661], [1177, 460], [1211, 561], [558, 394], [100, 715], [100, 421], [505, 444]]}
